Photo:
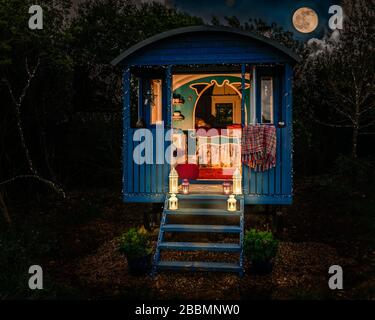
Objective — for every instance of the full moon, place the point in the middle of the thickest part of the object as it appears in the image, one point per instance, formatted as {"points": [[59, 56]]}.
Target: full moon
{"points": [[305, 20]]}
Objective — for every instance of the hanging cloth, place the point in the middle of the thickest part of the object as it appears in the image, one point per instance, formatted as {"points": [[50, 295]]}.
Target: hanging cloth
{"points": [[252, 145], [258, 146], [269, 143]]}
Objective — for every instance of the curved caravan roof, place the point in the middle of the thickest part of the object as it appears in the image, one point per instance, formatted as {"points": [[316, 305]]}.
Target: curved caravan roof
{"points": [[205, 44]]}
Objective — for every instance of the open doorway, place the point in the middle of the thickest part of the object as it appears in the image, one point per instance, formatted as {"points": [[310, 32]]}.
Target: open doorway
{"points": [[217, 114], [207, 109]]}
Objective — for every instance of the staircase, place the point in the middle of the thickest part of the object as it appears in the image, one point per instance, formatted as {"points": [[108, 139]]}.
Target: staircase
{"points": [[206, 207]]}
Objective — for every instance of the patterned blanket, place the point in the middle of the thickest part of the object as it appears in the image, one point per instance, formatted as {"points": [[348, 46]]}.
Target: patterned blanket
{"points": [[259, 147]]}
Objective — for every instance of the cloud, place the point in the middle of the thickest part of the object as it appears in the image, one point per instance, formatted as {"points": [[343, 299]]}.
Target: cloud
{"points": [[328, 43]]}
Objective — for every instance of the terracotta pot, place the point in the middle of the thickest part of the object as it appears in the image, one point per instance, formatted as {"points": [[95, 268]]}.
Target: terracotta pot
{"points": [[139, 266]]}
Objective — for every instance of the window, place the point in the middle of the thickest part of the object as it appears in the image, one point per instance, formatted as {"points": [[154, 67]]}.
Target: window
{"points": [[156, 101], [266, 88], [224, 113]]}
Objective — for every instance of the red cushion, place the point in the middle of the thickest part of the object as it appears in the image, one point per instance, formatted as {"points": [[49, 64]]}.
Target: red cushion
{"points": [[215, 173], [234, 126], [188, 171]]}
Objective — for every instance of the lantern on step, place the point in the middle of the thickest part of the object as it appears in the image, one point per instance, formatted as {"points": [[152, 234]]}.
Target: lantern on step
{"points": [[173, 181], [173, 202], [226, 187], [232, 203], [185, 186], [237, 182]]}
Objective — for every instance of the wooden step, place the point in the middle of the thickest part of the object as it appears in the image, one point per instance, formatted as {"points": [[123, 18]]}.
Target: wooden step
{"points": [[204, 246], [202, 196], [200, 228], [203, 212], [198, 266]]}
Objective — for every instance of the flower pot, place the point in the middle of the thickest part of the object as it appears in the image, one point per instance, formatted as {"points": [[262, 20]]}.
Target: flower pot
{"points": [[261, 267], [139, 265]]}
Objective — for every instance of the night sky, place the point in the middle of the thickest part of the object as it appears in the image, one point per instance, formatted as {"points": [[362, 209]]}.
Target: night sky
{"points": [[278, 11]]}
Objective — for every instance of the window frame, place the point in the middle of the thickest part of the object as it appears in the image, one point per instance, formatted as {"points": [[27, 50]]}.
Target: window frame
{"points": [[158, 108], [272, 96]]}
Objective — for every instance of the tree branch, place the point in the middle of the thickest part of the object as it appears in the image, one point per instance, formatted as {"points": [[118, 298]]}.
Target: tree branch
{"points": [[5, 210], [370, 124], [49, 183], [332, 125], [367, 109], [17, 105], [366, 133]]}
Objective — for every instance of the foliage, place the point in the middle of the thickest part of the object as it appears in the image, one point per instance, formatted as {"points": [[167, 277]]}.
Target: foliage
{"points": [[335, 85], [33, 109], [260, 245], [350, 178], [135, 243], [62, 118], [273, 31], [115, 25], [358, 170], [18, 249]]}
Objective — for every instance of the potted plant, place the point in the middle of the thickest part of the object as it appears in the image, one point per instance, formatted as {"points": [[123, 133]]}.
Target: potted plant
{"points": [[260, 248], [135, 245]]}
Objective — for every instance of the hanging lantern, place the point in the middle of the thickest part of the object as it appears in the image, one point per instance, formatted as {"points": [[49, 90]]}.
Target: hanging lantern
{"points": [[226, 187], [173, 181], [237, 182], [185, 186], [232, 203], [173, 202]]}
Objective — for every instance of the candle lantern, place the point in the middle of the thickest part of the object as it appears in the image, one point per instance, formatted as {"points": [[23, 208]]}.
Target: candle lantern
{"points": [[237, 182], [173, 181], [185, 186], [173, 202], [232, 203], [226, 187]]}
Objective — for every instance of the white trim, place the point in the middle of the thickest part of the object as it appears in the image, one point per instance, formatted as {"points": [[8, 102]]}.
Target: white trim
{"points": [[272, 106], [253, 94]]}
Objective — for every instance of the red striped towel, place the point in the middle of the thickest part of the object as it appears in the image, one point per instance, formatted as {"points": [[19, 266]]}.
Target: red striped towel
{"points": [[259, 146], [269, 144], [252, 141]]}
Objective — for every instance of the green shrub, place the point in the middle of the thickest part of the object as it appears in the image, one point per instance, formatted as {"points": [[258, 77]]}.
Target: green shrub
{"points": [[260, 245], [135, 243]]}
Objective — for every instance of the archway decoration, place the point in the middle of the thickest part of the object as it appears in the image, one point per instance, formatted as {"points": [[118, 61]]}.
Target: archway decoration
{"points": [[201, 87]]}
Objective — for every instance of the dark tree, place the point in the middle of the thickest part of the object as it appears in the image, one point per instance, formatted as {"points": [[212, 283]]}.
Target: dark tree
{"points": [[336, 82], [30, 104]]}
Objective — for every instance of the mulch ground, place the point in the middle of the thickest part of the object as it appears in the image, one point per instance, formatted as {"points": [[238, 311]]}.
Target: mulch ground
{"points": [[87, 262], [300, 271]]}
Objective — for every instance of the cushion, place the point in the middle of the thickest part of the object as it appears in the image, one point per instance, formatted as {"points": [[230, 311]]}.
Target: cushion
{"points": [[188, 171]]}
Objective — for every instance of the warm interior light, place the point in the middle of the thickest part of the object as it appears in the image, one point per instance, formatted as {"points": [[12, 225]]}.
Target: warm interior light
{"points": [[185, 186], [173, 202], [237, 182], [173, 181], [232, 203], [226, 187]]}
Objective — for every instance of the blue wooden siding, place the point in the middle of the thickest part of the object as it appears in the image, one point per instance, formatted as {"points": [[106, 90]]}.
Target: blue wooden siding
{"points": [[149, 182], [267, 187], [207, 48], [144, 182]]}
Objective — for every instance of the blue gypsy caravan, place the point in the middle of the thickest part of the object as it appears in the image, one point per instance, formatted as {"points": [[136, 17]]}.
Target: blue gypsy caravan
{"points": [[196, 101]]}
